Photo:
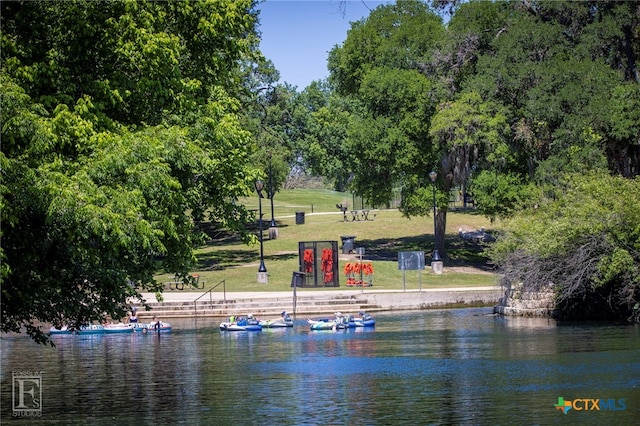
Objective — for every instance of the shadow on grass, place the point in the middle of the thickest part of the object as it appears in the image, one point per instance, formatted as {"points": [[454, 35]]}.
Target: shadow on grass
{"points": [[458, 251], [220, 260], [217, 236]]}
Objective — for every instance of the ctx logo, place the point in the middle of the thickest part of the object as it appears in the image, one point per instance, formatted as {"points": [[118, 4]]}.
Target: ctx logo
{"points": [[590, 404]]}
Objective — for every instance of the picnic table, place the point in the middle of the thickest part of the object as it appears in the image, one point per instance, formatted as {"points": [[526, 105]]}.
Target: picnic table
{"points": [[358, 215]]}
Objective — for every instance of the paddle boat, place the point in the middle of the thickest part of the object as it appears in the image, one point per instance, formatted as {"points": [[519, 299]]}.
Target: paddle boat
{"points": [[117, 328], [364, 320], [340, 322], [84, 329], [163, 327], [241, 324], [62, 330], [324, 324], [284, 321]]}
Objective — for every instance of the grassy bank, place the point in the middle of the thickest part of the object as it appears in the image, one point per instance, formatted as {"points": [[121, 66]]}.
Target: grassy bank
{"points": [[226, 258]]}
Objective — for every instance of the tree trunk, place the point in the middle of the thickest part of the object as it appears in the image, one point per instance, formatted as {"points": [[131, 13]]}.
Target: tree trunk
{"points": [[440, 221]]}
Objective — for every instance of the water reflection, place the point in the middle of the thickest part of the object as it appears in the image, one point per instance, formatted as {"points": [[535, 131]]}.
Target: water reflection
{"points": [[433, 367]]}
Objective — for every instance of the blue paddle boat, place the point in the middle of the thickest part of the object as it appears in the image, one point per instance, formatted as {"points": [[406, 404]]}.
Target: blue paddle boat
{"points": [[340, 322], [85, 329], [284, 321], [241, 324], [119, 328], [364, 320]]}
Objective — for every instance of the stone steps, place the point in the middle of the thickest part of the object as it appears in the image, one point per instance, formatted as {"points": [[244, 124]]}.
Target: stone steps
{"points": [[259, 307]]}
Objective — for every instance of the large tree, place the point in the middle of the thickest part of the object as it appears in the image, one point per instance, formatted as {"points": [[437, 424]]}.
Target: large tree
{"points": [[320, 121], [120, 132], [381, 64], [389, 141], [468, 134], [559, 67]]}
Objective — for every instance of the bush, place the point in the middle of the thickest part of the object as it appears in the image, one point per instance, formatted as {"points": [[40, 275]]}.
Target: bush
{"points": [[585, 243]]}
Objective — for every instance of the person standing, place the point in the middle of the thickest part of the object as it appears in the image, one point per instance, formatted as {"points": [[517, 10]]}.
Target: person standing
{"points": [[134, 315], [155, 324]]}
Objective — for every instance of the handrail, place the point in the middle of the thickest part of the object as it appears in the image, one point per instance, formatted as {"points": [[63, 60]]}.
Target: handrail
{"points": [[224, 295]]}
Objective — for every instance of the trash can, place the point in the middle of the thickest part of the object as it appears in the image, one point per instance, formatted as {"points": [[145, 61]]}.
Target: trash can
{"points": [[297, 280], [299, 218], [347, 244]]}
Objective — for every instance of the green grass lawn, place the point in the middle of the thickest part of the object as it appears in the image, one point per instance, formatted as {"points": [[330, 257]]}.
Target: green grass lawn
{"points": [[227, 259]]}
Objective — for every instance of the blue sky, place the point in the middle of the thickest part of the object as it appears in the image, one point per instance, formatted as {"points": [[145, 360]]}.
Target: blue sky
{"points": [[297, 35]]}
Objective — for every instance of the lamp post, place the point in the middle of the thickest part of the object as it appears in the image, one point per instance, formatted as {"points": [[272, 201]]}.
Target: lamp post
{"points": [[262, 270], [436, 262]]}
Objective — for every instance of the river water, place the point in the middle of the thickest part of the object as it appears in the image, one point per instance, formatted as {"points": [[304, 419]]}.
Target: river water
{"points": [[442, 367]]}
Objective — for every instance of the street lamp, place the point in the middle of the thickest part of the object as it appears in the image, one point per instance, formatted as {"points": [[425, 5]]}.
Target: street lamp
{"points": [[262, 270], [436, 256]]}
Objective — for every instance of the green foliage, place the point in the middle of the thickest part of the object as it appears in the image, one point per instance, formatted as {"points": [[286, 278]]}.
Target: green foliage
{"points": [[137, 61], [585, 242], [625, 115], [324, 146], [500, 195], [319, 129], [398, 36], [374, 162], [403, 96], [267, 114], [381, 64], [525, 93], [556, 66], [585, 155], [386, 143], [466, 129], [621, 128], [113, 150]]}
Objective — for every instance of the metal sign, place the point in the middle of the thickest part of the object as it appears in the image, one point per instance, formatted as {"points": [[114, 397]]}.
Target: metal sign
{"points": [[411, 260]]}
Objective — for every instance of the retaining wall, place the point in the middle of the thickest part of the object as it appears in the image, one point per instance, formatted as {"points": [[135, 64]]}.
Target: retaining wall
{"points": [[317, 302], [518, 302]]}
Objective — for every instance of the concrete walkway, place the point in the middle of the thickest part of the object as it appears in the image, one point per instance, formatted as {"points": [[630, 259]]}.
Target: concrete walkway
{"points": [[436, 293]]}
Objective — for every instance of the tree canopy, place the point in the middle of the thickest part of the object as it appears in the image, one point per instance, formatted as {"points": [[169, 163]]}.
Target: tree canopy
{"points": [[121, 131], [503, 96], [504, 101]]}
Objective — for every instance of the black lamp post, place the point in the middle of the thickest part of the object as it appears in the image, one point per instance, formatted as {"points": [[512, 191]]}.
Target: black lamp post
{"points": [[259, 187], [436, 256]]}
